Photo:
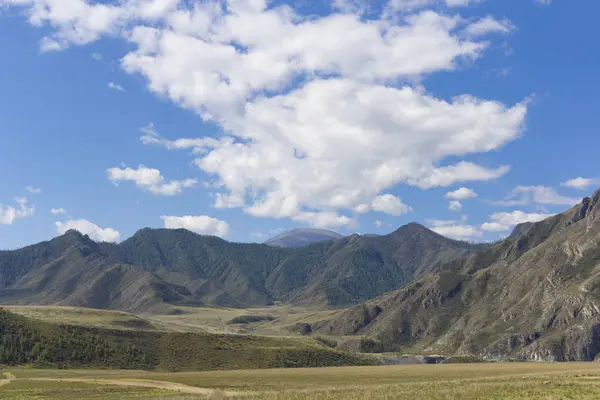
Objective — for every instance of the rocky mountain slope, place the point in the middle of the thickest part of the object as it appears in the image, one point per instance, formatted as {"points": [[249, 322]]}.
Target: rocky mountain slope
{"points": [[534, 296], [159, 266], [302, 237]]}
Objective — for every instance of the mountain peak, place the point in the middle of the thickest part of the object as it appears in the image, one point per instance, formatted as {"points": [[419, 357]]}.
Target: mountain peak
{"points": [[73, 233], [302, 237]]}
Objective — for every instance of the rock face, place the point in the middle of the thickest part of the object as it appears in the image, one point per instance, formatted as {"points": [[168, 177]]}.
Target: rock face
{"points": [[534, 296]]}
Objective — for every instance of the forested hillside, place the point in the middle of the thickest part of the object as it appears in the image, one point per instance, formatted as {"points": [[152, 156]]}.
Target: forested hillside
{"points": [[158, 266], [40, 344]]}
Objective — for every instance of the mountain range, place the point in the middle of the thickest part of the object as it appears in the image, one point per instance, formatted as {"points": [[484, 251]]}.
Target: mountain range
{"points": [[534, 295], [157, 267]]}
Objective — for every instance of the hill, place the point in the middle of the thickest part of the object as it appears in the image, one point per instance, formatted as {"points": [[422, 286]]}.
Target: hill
{"points": [[158, 267], [532, 296], [41, 344], [302, 237]]}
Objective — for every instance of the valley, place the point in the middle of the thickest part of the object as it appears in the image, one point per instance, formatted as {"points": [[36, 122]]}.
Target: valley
{"points": [[145, 317]]}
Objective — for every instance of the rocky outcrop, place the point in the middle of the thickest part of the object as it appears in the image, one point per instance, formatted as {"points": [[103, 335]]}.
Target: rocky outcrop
{"points": [[533, 296]]}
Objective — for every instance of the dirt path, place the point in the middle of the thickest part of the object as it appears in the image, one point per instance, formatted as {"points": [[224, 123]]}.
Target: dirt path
{"points": [[177, 387], [8, 379]]}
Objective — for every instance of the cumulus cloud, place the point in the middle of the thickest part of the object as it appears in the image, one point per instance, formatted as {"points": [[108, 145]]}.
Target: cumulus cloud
{"points": [[33, 190], [461, 194], [455, 205], [319, 115], [9, 214], [202, 224], [581, 183], [390, 204], [324, 219], [525, 195], [149, 179], [455, 230], [503, 221], [461, 172], [362, 208], [57, 211], [88, 228]]}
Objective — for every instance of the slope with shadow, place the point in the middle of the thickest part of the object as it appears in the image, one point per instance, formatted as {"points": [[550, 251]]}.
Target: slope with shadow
{"points": [[302, 237], [156, 267], [71, 270], [533, 296], [340, 272]]}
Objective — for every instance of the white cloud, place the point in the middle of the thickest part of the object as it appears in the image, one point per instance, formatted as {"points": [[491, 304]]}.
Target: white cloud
{"points": [[116, 87], [362, 208], [202, 224], [9, 214], [390, 204], [503, 221], [33, 190], [378, 223], [461, 172], [455, 205], [48, 45], [581, 183], [409, 5], [317, 114], [149, 179], [543, 2], [86, 227], [96, 56], [455, 230], [57, 211], [489, 25], [198, 145], [73, 21], [524, 195], [461, 194], [324, 219]]}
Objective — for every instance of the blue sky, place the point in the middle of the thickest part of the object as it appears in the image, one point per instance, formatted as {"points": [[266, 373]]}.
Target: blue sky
{"points": [[312, 113]]}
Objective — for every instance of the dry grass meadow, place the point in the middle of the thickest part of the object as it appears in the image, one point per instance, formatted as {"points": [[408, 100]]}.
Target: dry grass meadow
{"points": [[452, 381]]}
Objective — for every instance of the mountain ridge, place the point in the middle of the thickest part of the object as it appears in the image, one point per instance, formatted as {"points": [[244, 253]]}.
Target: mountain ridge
{"points": [[188, 268], [532, 296]]}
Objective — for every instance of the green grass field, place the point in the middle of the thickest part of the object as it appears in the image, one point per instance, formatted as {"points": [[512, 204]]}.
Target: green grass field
{"points": [[463, 381]]}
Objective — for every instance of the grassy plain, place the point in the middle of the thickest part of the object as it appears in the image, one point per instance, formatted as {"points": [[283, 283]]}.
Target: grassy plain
{"points": [[80, 316], [457, 381], [186, 319]]}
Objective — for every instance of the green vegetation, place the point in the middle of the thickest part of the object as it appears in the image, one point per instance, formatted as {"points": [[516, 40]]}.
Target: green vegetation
{"points": [[462, 359], [251, 319], [180, 268], [326, 341], [31, 342], [83, 316]]}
